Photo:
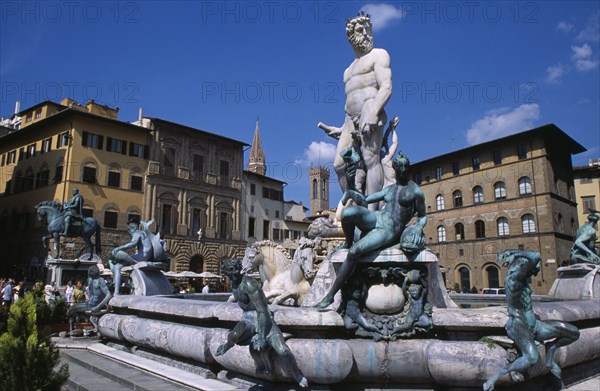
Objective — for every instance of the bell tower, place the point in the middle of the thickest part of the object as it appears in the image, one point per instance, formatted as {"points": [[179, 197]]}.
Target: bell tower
{"points": [[319, 189], [256, 161]]}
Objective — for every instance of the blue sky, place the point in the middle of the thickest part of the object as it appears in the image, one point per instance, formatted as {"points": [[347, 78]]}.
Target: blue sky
{"points": [[463, 72]]}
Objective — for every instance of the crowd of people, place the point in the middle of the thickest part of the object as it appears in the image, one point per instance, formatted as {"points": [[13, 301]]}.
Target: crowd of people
{"points": [[11, 291]]}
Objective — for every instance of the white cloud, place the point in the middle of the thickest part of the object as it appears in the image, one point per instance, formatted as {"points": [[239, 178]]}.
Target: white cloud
{"points": [[582, 57], [502, 122], [321, 153], [591, 31], [565, 27], [382, 14], [555, 73], [586, 65], [579, 52]]}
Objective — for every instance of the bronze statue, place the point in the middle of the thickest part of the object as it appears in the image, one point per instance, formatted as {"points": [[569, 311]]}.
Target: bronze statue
{"points": [[419, 310], [382, 228], [57, 220], [73, 212], [583, 250], [522, 326], [150, 249], [257, 327], [99, 296]]}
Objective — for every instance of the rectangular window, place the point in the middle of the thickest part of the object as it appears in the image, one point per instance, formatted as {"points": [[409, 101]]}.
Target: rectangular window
{"points": [[197, 221], [497, 157], [29, 117], [224, 171], [417, 178], [87, 212], [3, 160], [455, 168], [89, 175], [198, 163], [522, 151], [30, 151], [21, 154], [588, 202], [12, 157], [46, 145], [167, 215], [92, 140], [224, 225], [266, 226], [438, 173], [38, 114], [110, 219], [252, 189], [169, 158], [585, 180], [138, 150], [476, 163], [62, 140], [251, 226], [114, 179], [276, 234], [136, 182], [276, 214], [117, 146]]}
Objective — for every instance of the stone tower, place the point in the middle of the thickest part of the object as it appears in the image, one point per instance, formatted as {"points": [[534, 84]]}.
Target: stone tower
{"points": [[319, 189], [256, 161]]}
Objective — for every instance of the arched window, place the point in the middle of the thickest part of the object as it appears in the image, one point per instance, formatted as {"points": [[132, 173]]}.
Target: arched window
{"points": [[113, 177], [89, 173], [197, 264], [528, 223], [465, 279], [323, 188], [480, 229], [28, 180], [136, 181], [478, 195], [502, 226], [58, 174], [441, 232], [499, 190], [457, 196], [111, 217], [524, 185], [459, 230], [314, 189], [439, 202], [493, 278]]}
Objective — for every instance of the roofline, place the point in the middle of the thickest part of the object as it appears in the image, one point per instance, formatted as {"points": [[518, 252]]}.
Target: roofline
{"points": [[265, 177], [20, 113], [66, 113], [198, 130], [586, 168], [574, 146]]}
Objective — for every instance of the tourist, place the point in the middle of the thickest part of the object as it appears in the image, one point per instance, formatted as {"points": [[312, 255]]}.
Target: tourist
{"points": [[69, 291], [78, 295], [7, 294], [206, 288], [16, 294]]}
